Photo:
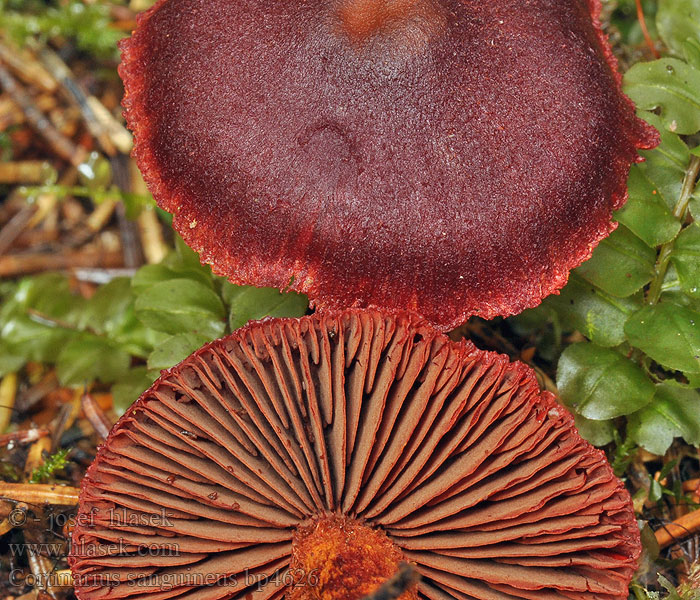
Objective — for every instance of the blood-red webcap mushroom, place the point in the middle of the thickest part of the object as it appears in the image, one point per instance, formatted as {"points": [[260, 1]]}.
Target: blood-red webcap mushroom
{"points": [[314, 456], [452, 157]]}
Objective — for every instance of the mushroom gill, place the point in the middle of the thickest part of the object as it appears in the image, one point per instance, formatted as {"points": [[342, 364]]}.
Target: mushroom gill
{"points": [[451, 157], [311, 456]]}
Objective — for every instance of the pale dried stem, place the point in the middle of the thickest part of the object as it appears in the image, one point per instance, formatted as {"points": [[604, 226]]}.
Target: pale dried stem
{"points": [[154, 246], [11, 113], [75, 95], [25, 66], [96, 416], [25, 171], [21, 264], [34, 493], [8, 393], [41, 570], [36, 454], [14, 227], [5, 526], [103, 212], [60, 144], [27, 436], [681, 528]]}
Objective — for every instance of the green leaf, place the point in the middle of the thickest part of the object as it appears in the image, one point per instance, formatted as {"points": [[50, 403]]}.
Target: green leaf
{"points": [[656, 492], [665, 166], [186, 259], [621, 264], [10, 362], [106, 309], [650, 545], [180, 306], [248, 303], [691, 51], [646, 213], [89, 357], [676, 21], [667, 333], [599, 316], [598, 433], [669, 86], [182, 263], [676, 296], [672, 591], [686, 259], [130, 387], [674, 412], [694, 207], [599, 384], [25, 337], [50, 295], [148, 275], [38, 316], [134, 337], [174, 349]]}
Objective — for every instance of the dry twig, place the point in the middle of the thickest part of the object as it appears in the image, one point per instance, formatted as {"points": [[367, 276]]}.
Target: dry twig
{"points": [[677, 530], [60, 144], [34, 493]]}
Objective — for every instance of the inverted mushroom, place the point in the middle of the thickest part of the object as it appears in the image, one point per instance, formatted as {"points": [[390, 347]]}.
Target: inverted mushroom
{"points": [[312, 456], [452, 157]]}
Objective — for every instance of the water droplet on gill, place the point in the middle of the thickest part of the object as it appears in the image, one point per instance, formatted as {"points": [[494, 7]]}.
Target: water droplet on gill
{"points": [[213, 496], [189, 434], [170, 479], [229, 468], [235, 506]]}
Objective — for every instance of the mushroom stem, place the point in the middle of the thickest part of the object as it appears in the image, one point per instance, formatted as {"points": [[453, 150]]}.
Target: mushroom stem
{"points": [[345, 559], [405, 577]]}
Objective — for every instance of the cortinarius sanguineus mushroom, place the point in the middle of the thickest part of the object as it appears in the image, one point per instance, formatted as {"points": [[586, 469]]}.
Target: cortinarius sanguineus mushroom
{"points": [[311, 456], [452, 157]]}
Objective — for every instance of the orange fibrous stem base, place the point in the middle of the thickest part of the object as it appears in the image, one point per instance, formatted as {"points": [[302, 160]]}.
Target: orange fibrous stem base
{"points": [[338, 558]]}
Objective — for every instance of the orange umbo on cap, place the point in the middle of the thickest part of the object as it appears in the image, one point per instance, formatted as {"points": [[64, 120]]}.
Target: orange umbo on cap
{"points": [[311, 456], [450, 157]]}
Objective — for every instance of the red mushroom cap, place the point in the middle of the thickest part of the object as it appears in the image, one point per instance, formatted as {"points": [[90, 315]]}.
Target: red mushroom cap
{"points": [[445, 156], [325, 450]]}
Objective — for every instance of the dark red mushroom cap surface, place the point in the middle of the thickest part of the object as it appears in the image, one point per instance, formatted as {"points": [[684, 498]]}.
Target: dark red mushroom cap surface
{"points": [[310, 457], [445, 156]]}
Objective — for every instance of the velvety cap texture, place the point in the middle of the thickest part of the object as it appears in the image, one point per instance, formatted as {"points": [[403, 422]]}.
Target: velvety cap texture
{"points": [[299, 454], [444, 156]]}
